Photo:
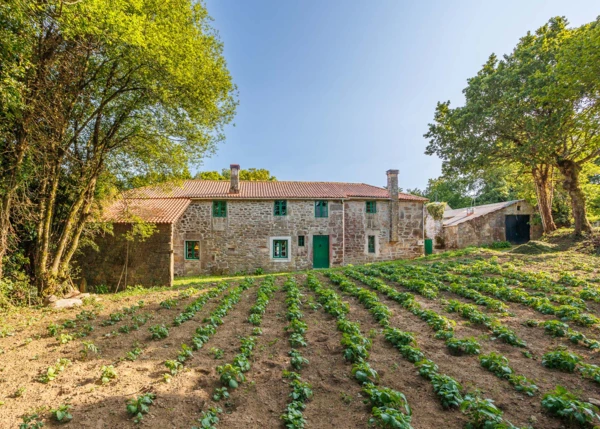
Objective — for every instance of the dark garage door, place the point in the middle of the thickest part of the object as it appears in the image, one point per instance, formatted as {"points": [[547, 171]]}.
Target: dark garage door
{"points": [[517, 228]]}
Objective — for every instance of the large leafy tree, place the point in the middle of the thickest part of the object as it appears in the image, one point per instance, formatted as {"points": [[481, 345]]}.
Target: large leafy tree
{"points": [[535, 108], [112, 90]]}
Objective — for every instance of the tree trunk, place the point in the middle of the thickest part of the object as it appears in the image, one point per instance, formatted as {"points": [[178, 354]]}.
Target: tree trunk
{"points": [[542, 179], [570, 171]]}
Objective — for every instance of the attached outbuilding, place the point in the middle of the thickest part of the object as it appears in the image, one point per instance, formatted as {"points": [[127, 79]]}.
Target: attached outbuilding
{"points": [[510, 221]]}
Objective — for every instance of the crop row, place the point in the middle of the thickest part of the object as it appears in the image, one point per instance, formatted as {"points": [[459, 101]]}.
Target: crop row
{"points": [[481, 411], [232, 374], [296, 328], [537, 281], [539, 303], [389, 407], [502, 332], [203, 333]]}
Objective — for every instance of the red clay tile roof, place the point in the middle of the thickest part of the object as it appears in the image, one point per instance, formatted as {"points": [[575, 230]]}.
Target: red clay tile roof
{"points": [[210, 189], [164, 204], [154, 210]]}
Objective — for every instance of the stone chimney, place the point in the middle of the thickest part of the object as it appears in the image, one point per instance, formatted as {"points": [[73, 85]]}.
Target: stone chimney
{"points": [[235, 179], [392, 187]]}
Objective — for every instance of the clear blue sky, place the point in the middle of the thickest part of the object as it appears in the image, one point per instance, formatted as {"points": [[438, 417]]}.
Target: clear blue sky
{"points": [[343, 90]]}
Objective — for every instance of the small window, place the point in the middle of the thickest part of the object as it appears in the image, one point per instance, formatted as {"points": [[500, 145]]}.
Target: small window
{"points": [[321, 209], [280, 208], [371, 207], [280, 249], [371, 244], [518, 208], [192, 250], [300, 241], [219, 208]]}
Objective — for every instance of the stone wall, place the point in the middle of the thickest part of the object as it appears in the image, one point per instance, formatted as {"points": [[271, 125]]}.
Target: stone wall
{"points": [[149, 261], [487, 229], [359, 225], [241, 242]]}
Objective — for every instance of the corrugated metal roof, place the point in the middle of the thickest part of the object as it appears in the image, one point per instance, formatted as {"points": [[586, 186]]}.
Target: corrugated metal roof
{"points": [[154, 210], [457, 216], [209, 189]]}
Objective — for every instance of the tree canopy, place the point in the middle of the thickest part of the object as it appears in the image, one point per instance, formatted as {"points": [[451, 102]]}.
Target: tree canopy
{"points": [[250, 174], [98, 94], [536, 108]]}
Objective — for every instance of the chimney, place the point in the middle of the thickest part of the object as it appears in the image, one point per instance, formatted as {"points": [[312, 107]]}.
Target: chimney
{"points": [[392, 187], [235, 179]]}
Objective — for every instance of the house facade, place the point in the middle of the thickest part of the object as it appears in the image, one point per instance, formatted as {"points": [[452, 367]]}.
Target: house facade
{"points": [[221, 227]]}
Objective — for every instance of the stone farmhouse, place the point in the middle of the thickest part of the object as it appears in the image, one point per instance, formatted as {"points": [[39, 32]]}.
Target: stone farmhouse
{"points": [[227, 227], [481, 225]]}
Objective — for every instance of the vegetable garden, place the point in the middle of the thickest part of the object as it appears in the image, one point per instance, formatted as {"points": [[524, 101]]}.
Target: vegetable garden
{"points": [[476, 341]]}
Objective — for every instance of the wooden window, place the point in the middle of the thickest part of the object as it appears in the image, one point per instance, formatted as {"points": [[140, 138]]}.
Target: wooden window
{"points": [[300, 241], [192, 250], [321, 209], [371, 244], [280, 249], [371, 207], [219, 208], [280, 208]]}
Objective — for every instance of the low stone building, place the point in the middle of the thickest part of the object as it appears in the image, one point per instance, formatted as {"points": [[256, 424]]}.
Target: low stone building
{"points": [[227, 227], [481, 225]]}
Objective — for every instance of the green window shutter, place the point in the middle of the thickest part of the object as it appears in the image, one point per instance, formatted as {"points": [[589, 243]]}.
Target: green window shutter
{"points": [[321, 209], [219, 208], [371, 207], [192, 250], [300, 241], [280, 208], [371, 244], [280, 249]]}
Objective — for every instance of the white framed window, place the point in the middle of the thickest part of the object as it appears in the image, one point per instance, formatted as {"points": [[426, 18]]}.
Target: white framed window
{"points": [[280, 249]]}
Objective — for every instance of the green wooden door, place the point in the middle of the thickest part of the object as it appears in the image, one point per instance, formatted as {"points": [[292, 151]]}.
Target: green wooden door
{"points": [[320, 251]]}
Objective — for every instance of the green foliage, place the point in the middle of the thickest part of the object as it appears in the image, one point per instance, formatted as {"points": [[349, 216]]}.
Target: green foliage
{"points": [[447, 389], [250, 174], [230, 375], [482, 412], [32, 421], [500, 123], [62, 414], [468, 346], [497, 245], [108, 373], [566, 405], [220, 393], [148, 109], [168, 303], [52, 372], [561, 359], [140, 405], [209, 419], [174, 366], [297, 361], [87, 348], [159, 332], [132, 355], [436, 210]]}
